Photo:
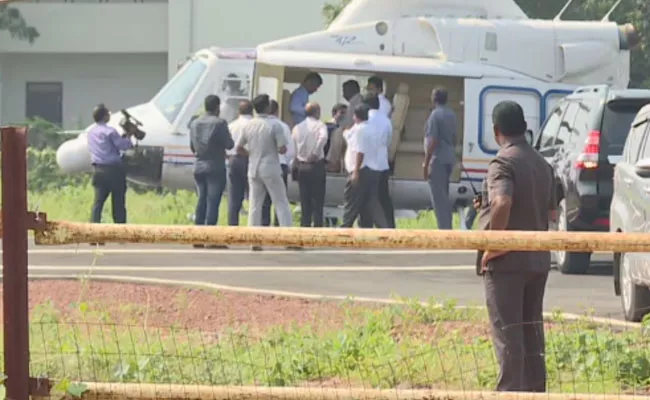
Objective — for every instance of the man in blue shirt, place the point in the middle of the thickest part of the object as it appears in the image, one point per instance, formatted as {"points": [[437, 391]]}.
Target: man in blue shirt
{"points": [[300, 96], [109, 178]]}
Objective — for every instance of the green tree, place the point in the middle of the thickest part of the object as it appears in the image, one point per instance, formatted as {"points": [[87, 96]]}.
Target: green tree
{"points": [[12, 21], [635, 12], [331, 10]]}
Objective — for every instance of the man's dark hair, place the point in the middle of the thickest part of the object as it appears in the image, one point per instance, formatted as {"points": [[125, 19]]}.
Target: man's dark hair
{"points": [[509, 117], [352, 86], [372, 101], [274, 107], [361, 111], [376, 82], [212, 103], [261, 103], [100, 112], [440, 95], [245, 107], [314, 77], [338, 107]]}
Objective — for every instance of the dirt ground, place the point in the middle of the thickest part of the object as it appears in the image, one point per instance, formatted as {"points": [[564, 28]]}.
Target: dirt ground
{"points": [[208, 311]]}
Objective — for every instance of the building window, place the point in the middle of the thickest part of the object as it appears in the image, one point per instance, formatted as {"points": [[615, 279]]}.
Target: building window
{"points": [[45, 100]]}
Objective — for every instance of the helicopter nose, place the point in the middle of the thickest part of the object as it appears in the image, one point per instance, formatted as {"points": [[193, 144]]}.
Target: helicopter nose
{"points": [[73, 157]]}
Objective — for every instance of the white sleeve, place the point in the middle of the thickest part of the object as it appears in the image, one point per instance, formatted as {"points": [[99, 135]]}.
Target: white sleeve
{"points": [[291, 148], [363, 141]]}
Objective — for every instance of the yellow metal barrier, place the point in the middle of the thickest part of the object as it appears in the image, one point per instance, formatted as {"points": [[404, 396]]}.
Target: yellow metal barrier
{"points": [[122, 391], [64, 232]]}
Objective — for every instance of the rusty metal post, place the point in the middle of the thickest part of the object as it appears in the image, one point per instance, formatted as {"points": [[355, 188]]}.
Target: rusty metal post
{"points": [[14, 262]]}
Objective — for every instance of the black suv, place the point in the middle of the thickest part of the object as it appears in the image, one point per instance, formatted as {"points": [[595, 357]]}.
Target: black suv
{"points": [[582, 139]]}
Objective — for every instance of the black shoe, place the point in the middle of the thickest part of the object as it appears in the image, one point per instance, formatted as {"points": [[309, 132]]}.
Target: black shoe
{"points": [[256, 248], [97, 244], [198, 246]]}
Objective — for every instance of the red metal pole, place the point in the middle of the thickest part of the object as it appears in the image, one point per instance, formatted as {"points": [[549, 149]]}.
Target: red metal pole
{"points": [[14, 262]]}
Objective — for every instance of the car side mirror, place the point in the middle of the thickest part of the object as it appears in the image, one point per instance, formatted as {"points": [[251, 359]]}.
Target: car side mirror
{"points": [[642, 168]]}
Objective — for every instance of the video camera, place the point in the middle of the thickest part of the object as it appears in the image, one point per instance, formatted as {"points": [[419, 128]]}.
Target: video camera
{"points": [[130, 125]]}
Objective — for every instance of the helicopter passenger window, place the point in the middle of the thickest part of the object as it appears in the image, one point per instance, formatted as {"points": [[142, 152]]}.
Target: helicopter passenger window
{"points": [[491, 41], [173, 96]]}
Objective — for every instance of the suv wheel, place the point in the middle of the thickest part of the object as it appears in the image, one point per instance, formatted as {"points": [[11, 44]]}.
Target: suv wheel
{"points": [[569, 263], [634, 299]]}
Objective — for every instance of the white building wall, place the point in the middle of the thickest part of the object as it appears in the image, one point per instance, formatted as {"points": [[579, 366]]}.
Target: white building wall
{"points": [[118, 80], [122, 52], [85, 27]]}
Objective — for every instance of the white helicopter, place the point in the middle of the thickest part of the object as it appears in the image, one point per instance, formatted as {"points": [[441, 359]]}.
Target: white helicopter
{"points": [[481, 51]]}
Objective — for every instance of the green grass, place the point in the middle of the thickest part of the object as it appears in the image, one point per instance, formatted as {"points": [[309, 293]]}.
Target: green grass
{"points": [[73, 203], [411, 346]]}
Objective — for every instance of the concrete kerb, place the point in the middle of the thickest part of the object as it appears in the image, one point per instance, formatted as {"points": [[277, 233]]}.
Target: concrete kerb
{"points": [[115, 391], [280, 293]]}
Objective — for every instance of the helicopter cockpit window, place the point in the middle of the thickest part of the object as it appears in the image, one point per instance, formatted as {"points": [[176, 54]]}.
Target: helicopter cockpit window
{"points": [[232, 89], [173, 96], [233, 85]]}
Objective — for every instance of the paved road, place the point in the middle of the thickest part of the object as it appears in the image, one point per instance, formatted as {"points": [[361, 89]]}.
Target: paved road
{"points": [[360, 273]]}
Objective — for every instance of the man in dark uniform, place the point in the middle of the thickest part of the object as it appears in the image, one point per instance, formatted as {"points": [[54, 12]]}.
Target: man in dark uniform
{"points": [[518, 194]]}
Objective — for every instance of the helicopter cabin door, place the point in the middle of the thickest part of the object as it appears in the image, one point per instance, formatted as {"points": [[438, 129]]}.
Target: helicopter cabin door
{"points": [[269, 79]]}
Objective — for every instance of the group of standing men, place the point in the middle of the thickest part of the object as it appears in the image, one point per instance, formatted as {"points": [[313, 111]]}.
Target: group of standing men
{"points": [[262, 151], [361, 131], [256, 149]]}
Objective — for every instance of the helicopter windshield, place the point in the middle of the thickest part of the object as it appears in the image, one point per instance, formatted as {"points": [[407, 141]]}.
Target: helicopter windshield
{"points": [[173, 96]]}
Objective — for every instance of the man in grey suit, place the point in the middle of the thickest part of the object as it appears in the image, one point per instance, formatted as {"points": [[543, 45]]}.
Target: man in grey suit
{"points": [[440, 155], [265, 140]]}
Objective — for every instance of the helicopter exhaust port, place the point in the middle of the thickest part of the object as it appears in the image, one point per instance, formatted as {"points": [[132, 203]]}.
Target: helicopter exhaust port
{"points": [[628, 37]]}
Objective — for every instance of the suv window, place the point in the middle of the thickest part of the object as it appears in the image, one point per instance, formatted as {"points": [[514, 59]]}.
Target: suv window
{"points": [[643, 132], [567, 132], [634, 143], [583, 122], [617, 120], [549, 131]]}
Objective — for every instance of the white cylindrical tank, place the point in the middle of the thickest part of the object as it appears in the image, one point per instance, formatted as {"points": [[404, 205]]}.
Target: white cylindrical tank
{"points": [[73, 156]]}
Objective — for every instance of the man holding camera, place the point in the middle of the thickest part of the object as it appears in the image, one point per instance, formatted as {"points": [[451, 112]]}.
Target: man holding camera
{"points": [[109, 177]]}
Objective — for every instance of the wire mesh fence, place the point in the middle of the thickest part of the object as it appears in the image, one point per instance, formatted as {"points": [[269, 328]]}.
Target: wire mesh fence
{"points": [[399, 347]]}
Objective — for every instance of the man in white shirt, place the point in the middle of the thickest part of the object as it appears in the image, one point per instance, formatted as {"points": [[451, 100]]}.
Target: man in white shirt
{"points": [[238, 165], [310, 138], [376, 86], [285, 160], [265, 140], [364, 168], [382, 127]]}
